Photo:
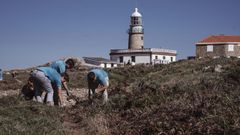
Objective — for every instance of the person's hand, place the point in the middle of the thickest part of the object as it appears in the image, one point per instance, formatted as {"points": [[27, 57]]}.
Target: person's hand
{"points": [[100, 88], [97, 90]]}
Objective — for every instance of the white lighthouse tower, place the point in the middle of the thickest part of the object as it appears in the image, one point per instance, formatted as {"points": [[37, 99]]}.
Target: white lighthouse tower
{"points": [[136, 52], [135, 40]]}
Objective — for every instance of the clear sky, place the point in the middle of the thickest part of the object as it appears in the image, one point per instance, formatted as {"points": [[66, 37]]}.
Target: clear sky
{"points": [[34, 32]]}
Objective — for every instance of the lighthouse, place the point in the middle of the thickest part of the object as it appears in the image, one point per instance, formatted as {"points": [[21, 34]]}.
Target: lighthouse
{"points": [[136, 53], [136, 31]]}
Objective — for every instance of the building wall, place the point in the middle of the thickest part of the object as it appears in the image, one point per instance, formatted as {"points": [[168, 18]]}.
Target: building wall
{"points": [[219, 50], [108, 65], [114, 65], [235, 53], [139, 58], [115, 58], [144, 58], [105, 65], [163, 59]]}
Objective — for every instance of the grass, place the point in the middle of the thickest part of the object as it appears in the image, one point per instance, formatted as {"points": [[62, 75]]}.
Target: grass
{"points": [[185, 97], [179, 98], [21, 117]]}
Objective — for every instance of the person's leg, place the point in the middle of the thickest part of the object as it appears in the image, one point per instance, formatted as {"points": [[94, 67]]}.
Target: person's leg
{"points": [[91, 93], [46, 84], [105, 93], [105, 96], [38, 95], [55, 95], [37, 86], [48, 87], [91, 90]]}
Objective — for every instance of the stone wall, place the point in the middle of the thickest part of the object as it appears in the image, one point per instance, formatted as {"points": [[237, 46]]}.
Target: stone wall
{"points": [[219, 50]]}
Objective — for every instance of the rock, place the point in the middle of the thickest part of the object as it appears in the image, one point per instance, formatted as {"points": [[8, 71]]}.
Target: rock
{"points": [[218, 68]]}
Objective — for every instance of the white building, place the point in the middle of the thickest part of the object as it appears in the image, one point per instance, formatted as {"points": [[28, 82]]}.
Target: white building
{"points": [[100, 62], [136, 52], [146, 55]]}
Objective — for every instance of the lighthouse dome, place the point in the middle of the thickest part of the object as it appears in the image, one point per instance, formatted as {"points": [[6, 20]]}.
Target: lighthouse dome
{"points": [[136, 13]]}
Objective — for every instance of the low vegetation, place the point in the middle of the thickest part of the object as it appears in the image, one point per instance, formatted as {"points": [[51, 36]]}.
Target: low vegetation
{"points": [[185, 97], [21, 117]]}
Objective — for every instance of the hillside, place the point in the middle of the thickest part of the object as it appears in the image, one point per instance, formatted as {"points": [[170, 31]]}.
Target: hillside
{"points": [[185, 97]]}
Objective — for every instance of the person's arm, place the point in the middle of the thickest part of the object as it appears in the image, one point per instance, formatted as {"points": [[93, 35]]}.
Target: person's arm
{"points": [[104, 83], [101, 88], [66, 87], [60, 97]]}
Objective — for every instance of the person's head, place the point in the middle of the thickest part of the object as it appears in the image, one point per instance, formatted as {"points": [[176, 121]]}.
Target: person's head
{"points": [[70, 63], [91, 77]]}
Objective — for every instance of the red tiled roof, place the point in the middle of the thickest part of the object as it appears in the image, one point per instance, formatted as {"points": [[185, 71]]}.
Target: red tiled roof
{"points": [[221, 38]]}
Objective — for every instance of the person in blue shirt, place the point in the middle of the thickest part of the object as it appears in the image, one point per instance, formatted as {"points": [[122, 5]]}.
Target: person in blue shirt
{"points": [[98, 81], [61, 66], [44, 78], [1, 74]]}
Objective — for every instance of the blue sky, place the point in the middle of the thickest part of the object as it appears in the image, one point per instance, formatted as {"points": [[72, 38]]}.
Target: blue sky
{"points": [[33, 32]]}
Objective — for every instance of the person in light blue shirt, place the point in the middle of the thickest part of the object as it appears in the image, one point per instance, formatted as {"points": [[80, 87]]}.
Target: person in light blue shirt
{"points": [[43, 79], [98, 81], [60, 66], [1, 74]]}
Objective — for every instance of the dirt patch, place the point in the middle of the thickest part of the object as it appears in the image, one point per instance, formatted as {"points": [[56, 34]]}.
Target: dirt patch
{"points": [[9, 93], [76, 95]]}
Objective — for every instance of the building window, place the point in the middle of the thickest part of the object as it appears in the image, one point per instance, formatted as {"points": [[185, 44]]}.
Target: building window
{"points": [[171, 59], [209, 48], [135, 20], [164, 57], [112, 65], [141, 37], [121, 59], [133, 59], [230, 48], [156, 57]]}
